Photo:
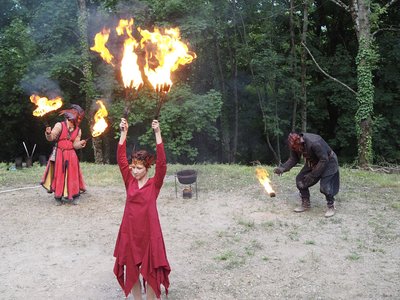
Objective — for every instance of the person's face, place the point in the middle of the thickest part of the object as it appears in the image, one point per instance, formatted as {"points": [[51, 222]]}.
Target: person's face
{"points": [[138, 170]]}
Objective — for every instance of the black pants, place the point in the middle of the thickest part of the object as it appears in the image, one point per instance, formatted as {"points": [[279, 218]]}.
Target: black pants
{"points": [[329, 185]]}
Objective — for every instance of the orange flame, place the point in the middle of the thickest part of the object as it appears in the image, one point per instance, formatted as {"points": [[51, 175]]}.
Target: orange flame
{"points": [[45, 105], [164, 54], [130, 71], [100, 41], [263, 177], [100, 123]]}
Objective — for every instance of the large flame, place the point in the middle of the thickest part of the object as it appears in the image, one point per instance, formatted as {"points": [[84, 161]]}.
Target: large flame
{"points": [[163, 54], [130, 71], [100, 123], [263, 177], [100, 41], [45, 105]]}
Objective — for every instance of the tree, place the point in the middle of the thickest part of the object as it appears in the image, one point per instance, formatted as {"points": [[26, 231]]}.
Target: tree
{"points": [[87, 85], [364, 20], [17, 50]]}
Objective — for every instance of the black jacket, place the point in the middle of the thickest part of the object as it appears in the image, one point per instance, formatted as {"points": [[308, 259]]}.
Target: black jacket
{"points": [[319, 157]]}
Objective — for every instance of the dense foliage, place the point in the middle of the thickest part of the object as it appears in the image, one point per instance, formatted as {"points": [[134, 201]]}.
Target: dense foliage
{"points": [[236, 102]]}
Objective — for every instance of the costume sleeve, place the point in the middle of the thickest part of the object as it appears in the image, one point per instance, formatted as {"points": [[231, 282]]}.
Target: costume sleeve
{"points": [[161, 166], [77, 144], [55, 132], [123, 162], [292, 161], [323, 160]]}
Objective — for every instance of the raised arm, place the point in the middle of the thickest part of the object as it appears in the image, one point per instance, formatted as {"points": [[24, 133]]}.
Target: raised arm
{"points": [[161, 162], [157, 131], [121, 151]]}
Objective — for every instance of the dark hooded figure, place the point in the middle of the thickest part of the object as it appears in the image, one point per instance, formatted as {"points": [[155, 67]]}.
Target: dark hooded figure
{"points": [[321, 164], [63, 175]]}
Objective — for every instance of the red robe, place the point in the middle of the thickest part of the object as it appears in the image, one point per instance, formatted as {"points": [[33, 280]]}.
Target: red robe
{"points": [[63, 176], [140, 241]]}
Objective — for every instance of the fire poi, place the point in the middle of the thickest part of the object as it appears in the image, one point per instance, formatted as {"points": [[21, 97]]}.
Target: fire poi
{"points": [[153, 58], [263, 177], [44, 105], [100, 123]]}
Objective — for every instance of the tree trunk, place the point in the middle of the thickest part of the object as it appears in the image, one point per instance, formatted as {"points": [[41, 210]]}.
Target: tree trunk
{"points": [[365, 96], [293, 64], [366, 62], [87, 82], [304, 69], [236, 103], [225, 137]]}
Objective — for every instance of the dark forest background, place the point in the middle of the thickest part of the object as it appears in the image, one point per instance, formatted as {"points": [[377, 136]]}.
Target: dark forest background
{"points": [[263, 69]]}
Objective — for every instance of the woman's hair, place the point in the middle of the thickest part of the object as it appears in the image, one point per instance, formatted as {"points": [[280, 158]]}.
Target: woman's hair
{"points": [[143, 157]]}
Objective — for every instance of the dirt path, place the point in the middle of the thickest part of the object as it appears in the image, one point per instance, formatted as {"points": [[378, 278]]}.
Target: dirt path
{"points": [[225, 245]]}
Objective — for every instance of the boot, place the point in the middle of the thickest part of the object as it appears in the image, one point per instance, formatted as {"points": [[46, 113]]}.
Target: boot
{"points": [[331, 207], [305, 205], [330, 212]]}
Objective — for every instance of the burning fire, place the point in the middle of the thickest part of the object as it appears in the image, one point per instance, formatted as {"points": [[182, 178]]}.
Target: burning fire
{"points": [[100, 123], [45, 105], [163, 54], [100, 41], [263, 177], [131, 75]]}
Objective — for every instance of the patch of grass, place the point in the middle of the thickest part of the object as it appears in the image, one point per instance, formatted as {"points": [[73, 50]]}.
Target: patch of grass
{"points": [[247, 224], [294, 235], [395, 205], [268, 225], [309, 242], [353, 256], [265, 258], [226, 255], [253, 247], [230, 259], [379, 250]]}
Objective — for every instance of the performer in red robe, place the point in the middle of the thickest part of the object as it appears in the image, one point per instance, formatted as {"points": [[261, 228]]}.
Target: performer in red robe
{"points": [[140, 245], [63, 175]]}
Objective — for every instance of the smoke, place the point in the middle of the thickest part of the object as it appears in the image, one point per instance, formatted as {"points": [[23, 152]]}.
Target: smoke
{"points": [[41, 86]]}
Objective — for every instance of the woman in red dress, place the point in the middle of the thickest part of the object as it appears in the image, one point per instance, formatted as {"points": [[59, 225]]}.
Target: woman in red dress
{"points": [[63, 175], [140, 248]]}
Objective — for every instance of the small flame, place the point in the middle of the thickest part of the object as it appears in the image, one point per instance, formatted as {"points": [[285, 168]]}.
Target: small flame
{"points": [[100, 123], [263, 177], [45, 105], [100, 41]]}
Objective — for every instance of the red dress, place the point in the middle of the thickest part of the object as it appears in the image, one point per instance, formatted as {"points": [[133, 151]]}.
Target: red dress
{"points": [[140, 241], [63, 176]]}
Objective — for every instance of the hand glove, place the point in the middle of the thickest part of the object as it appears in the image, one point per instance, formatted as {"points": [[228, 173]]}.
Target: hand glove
{"points": [[278, 171]]}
